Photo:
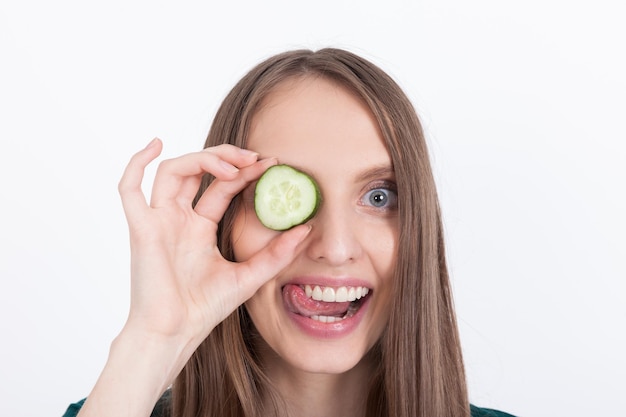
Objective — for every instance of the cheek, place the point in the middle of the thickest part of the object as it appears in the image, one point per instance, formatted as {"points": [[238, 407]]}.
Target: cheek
{"points": [[249, 235], [383, 250], [383, 254]]}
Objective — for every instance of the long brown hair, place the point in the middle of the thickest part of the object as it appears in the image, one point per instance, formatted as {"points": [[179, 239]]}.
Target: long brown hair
{"points": [[421, 368]]}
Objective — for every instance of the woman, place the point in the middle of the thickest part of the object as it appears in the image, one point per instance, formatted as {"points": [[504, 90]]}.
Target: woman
{"points": [[222, 308]]}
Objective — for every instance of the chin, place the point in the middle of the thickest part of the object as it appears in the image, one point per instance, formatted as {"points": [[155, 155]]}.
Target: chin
{"points": [[303, 355], [327, 361]]}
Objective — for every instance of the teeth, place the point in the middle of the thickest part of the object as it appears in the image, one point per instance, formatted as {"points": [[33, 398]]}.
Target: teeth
{"points": [[332, 319], [328, 295], [351, 294], [327, 319], [341, 294], [335, 295], [316, 293]]}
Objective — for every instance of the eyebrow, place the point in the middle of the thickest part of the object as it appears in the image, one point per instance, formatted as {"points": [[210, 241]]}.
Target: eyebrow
{"points": [[376, 172], [370, 173]]}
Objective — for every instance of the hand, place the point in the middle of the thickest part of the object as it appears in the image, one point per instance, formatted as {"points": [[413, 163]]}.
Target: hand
{"points": [[181, 286]]}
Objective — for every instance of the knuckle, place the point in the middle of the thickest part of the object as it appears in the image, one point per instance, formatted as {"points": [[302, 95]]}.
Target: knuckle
{"points": [[165, 165], [124, 185], [220, 147]]}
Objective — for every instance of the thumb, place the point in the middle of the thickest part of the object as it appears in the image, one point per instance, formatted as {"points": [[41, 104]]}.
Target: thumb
{"points": [[268, 262]]}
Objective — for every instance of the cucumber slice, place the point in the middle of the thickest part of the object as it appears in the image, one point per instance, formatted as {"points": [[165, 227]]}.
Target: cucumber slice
{"points": [[285, 197]]}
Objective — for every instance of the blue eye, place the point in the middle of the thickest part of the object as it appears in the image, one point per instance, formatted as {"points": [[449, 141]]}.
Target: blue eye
{"points": [[381, 198]]}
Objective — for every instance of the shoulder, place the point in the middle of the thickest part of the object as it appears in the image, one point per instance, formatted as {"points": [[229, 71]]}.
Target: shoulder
{"points": [[73, 409], [161, 409], [487, 412]]}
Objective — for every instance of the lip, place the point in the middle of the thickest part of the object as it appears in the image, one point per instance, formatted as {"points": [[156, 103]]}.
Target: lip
{"points": [[335, 330]]}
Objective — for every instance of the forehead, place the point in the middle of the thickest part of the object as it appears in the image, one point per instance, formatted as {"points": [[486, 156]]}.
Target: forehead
{"points": [[316, 122]]}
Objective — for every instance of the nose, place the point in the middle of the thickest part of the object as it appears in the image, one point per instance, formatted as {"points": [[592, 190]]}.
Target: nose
{"points": [[334, 235]]}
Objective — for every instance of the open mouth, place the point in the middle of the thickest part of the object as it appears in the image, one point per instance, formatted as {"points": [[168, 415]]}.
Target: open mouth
{"points": [[324, 304]]}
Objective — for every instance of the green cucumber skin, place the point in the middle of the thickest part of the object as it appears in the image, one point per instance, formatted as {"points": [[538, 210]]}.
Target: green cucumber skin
{"points": [[271, 176]]}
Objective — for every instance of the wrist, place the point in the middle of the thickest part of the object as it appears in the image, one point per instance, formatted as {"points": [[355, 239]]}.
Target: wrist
{"points": [[161, 357], [140, 367]]}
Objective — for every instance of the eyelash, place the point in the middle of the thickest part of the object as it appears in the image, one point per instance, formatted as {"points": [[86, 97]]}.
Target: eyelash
{"points": [[391, 193]]}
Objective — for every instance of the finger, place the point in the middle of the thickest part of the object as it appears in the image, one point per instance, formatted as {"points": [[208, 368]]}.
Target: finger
{"points": [[268, 262], [237, 156], [129, 186], [240, 158], [217, 197], [179, 178]]}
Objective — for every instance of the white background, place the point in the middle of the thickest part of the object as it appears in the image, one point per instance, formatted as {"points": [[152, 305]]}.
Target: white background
{"points": [[524, 106]]}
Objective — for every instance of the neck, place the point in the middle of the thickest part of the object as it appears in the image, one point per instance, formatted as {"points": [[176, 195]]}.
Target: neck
{"points": [[320, 395]]}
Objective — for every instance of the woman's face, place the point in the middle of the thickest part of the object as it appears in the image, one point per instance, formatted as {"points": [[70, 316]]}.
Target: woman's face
{"points": [[324, 130]]}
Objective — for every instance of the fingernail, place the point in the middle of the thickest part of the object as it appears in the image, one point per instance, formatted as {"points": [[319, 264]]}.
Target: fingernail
{"points": [[152, 143], [248, 152], [228, 167], [306, 232]]}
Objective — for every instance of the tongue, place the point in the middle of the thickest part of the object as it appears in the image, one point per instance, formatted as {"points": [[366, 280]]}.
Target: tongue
{"points": [[297, 302]]}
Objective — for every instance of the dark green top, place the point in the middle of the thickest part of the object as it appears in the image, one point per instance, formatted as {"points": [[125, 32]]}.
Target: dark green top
{"points": [[159, 409]]}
